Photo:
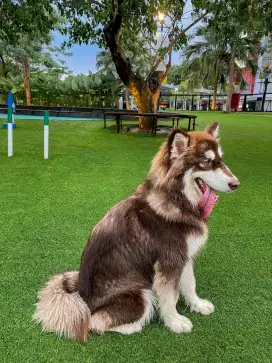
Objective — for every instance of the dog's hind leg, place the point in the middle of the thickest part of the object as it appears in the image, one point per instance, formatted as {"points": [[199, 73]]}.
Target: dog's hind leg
{"points": [[188, 290], [125, 314]]}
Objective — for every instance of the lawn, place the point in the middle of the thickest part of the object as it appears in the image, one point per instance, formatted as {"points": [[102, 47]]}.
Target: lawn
{"points": [[49, 207]]}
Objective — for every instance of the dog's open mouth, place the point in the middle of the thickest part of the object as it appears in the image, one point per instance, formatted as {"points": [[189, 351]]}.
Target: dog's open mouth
{"points": [[209, 197], [201, 185]]}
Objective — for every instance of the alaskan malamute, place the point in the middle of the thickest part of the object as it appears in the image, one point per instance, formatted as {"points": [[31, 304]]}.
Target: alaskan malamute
{"points": [[139, 257]]}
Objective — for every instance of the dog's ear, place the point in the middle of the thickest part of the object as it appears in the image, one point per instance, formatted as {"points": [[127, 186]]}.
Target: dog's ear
{"points": [[178, 142], [213, 129]]}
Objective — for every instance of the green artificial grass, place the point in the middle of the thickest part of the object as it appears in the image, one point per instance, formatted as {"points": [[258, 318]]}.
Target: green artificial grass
{"points": [[48, 208]]}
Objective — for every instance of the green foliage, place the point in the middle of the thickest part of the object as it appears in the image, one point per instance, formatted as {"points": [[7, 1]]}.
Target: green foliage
{"points": [[87, 19], [30, 51], [174, 76], [50, 81], [38, 50], [28, 23], [252, 18], [137, 51], [42, 59], [49, 88], [184, 87], [26, 17], [139, 23], [207, 60], [227, 19]]}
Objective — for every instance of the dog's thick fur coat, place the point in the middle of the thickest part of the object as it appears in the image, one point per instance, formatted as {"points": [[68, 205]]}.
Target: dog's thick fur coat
{"points": [[142, 250]]}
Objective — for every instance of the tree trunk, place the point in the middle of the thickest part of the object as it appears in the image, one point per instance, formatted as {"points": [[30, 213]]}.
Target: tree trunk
{"points": [[127, 98], [27, 80], [230, 85], [145, 91], [4, 68], [214, 96], [147, 100], [215, 87]]}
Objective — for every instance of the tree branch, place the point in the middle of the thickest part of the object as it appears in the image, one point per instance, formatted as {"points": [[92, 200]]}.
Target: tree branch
{"points": [[170, 59], [5, 72], [175, 40], [157, 53], [75, 4], [98, 3], [111, 32], [168, 67]]}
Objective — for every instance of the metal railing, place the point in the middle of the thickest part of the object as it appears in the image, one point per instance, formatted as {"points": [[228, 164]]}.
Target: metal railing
{"points": [[59, 111], [202, 102]]}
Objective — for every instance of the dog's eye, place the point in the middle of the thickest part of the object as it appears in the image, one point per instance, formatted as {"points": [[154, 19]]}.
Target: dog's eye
{"points": [[206, 162]]}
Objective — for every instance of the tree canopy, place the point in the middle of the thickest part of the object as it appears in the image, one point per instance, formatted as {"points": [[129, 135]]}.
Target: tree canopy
{"points": [[208, 58], [121, 25], [26, 17], [175, 75], [111, 22]]}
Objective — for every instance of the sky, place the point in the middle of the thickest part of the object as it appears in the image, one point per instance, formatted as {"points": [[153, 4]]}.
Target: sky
{"points": [[83, 59]]}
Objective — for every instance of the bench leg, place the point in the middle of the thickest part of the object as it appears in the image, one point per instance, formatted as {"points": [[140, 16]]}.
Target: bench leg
{"points": [[189, 124], [118, 123], [194, 124], [154, 131]]}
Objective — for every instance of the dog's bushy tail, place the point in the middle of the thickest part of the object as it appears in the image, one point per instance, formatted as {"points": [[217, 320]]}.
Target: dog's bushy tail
{"points": [[60, 308]]}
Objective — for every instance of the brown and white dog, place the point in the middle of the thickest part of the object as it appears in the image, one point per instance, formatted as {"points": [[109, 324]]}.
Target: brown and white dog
{"points": [[140, 255]]}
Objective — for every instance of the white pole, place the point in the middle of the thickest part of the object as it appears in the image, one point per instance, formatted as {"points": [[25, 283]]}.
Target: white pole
{"points": [[46, 135], [10, 131], [46, 141], [10, 140]]}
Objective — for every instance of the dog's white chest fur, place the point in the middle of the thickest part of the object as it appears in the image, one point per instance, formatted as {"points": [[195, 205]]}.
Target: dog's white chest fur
{"points": [[196, 242]]}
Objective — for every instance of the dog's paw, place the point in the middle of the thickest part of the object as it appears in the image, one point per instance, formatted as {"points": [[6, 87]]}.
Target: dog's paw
{"points": [[127, 328], [202, 306], [179, 324]]}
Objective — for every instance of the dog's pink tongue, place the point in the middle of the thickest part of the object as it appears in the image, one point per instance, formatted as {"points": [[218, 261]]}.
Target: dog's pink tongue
{"points": [[207, 202]]}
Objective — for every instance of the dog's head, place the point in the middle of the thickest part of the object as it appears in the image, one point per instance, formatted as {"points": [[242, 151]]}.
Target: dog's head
{"points": [[192, 162]]}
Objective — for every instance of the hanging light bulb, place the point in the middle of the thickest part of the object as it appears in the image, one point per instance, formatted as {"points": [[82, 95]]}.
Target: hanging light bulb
{"points": [[161, 16]]}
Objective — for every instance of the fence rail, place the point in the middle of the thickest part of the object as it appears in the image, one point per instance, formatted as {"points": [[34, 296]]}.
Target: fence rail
{"points": [[202, 102], [178, 101], [59, 111]]}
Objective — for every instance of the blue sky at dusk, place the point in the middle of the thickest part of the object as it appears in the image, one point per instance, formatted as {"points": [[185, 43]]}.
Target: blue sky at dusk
{"points": [[83, 59]]}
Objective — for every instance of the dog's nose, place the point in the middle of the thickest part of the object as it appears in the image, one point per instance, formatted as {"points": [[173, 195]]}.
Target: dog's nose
{"points": [[234, 183]]}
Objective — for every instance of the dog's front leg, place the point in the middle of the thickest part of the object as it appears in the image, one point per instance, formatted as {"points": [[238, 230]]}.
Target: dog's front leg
{"points": [[188, 290], [166, 288]]}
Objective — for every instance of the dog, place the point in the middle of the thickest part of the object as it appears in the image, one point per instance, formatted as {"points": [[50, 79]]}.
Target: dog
{"points": [[140, 256]]}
